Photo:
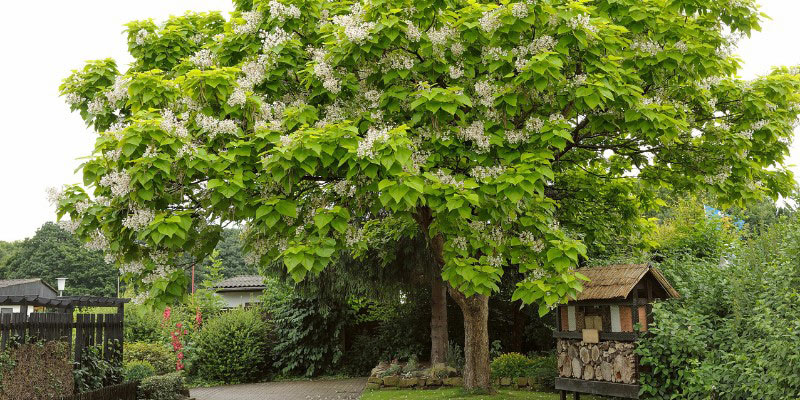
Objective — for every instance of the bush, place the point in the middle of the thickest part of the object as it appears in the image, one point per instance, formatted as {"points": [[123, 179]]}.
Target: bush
{"points": [[543, 371], [142, 325], [137, 371], [511, 365], [734, 332], [161, 387], [455, 356], [94, 372], [159, 355], [231, 348]]}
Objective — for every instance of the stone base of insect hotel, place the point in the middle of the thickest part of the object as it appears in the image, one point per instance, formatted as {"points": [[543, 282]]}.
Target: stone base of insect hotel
{"points": [[608, 361], [387, 376]]}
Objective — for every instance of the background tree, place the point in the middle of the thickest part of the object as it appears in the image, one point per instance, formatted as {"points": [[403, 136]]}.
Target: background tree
{"points": [[53, 253], [512, 134]]}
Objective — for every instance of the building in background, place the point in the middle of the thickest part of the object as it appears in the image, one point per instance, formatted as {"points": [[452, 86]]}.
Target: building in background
{"points": [[24, 288], [241, 291]]}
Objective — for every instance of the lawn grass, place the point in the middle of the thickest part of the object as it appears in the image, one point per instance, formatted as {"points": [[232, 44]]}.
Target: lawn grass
{"points": [[459, 394]]}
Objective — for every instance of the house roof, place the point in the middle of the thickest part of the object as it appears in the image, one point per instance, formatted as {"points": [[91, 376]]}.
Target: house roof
{"points": [[617, 281], [26, 289], [63, 302], [242, 282]]}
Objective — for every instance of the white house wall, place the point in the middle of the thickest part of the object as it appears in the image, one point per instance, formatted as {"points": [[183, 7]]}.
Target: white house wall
{"points": [[236, 299]]}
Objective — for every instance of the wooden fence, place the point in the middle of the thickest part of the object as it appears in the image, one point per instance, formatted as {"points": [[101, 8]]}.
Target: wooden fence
{"points": [[86, 330], [123, 391]]}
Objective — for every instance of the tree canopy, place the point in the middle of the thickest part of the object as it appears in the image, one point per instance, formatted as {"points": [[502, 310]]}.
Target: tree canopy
{"points": [[53, 253], [514, 134]]}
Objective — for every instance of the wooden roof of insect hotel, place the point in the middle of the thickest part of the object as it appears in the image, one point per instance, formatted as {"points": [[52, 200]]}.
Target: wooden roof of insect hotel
{"points": [[617, 281]]}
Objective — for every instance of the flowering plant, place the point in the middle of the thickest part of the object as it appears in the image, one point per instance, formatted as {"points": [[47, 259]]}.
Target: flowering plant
{"points": [[513, 134]]}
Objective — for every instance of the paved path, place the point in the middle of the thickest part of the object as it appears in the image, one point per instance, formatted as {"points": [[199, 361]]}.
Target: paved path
{"points": [[345, 389]]}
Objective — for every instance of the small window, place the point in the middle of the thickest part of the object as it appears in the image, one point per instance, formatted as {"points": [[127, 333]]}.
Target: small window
{"points": [[6, 310]]}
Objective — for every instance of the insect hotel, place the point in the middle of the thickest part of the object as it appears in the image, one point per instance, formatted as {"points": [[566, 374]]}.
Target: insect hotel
{"points": [[596, 334]]}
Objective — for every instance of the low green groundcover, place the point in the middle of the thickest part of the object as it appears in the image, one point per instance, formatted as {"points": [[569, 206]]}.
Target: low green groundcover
{"points": [[458, 394]]}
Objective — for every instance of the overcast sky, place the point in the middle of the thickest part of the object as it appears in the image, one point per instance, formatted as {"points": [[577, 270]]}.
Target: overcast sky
{"points": [[42, 141]]}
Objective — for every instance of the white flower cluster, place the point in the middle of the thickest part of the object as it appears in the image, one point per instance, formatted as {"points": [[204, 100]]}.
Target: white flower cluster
{"points": [[273, 114], [366, 146], [440, 36], [82, 206], [515, 136], [118, 181], [647, 46], [275, 38], [252, 22], [344, 188], [214, 127], [188, 148], [457, 48], [460, 242], [397, 60], [418, 159], [286, 140], [355, 28], [538, 45], [74, 99], [171, 124], [202, 59], [282, 12], [534, 124], [497, 235], [412, 32], [519, 10], [581, 21], [485, 90], [489, 54], [353, 236], [529, 239], [254, 73], [142, 36], [54, 195], [138, 219], [69, 225], [447, 179], [162, 271], [324, 72], [373, 96], [681, 46], [134, 268], [483, 174], [576, 81], [456, 72], [475, 133], [97, 105], [490, 20], [495, 261], [97, 242], [118, 91]]}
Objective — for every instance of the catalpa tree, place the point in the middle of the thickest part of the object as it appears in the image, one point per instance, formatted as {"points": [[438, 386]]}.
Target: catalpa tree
{"points": [[513, 134]]}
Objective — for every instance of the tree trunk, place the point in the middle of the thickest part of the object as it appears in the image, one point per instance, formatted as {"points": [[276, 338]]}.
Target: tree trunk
{"points": [[475, 310], [439, 336], [476, 339]]}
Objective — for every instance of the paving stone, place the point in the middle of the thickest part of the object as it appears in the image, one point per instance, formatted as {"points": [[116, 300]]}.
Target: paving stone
{"points": [[345, 389]]}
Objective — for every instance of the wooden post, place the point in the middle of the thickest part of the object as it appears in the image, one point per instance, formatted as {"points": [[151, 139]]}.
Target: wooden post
{"points": [[563, 395], [79, 336], [576, 395]]}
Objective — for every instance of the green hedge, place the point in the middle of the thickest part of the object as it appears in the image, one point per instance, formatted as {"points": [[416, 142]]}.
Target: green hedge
{"points": [[159, 355], [137, 371], [161, 387], [734, 334], [232, 348]]}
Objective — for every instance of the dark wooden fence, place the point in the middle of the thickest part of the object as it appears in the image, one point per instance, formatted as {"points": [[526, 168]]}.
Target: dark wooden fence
{"points": [[123, 391], [103, 330]]}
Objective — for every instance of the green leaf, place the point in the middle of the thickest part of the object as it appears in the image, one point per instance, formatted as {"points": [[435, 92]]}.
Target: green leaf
{"points": [[287, 208]]}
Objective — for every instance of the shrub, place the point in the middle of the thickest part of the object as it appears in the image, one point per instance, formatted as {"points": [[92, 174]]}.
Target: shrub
{"points": [[159, 355], [511, 365], [309, 335], [231, 348], [94, 372], [455, 356], [137, 371], [161, 387], [142, 325], [734, 332], [543, 371]]}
